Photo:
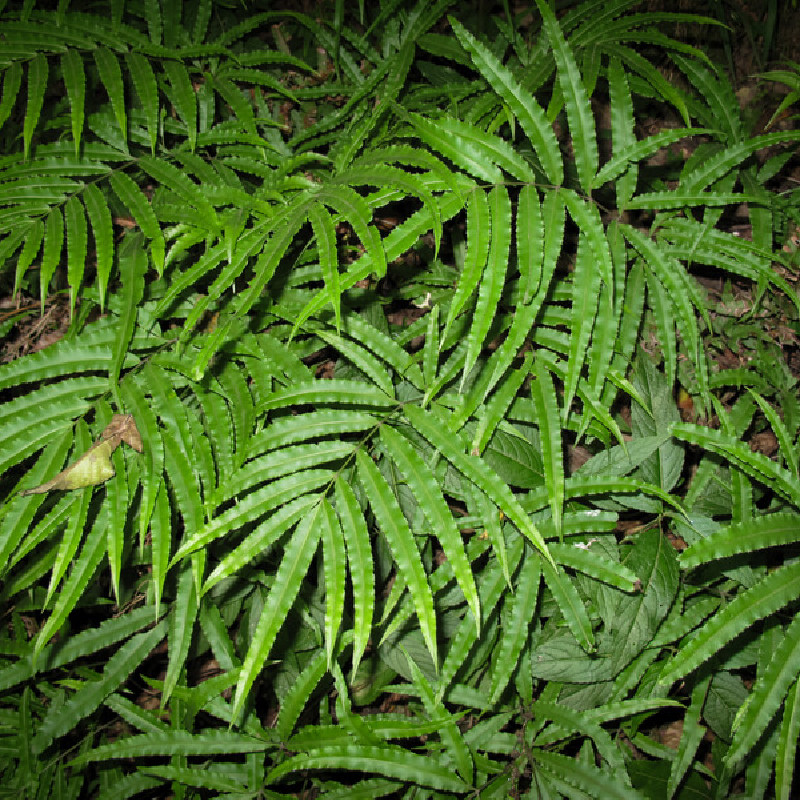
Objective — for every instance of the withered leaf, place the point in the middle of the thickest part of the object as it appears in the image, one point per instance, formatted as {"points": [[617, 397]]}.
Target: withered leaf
{"points": [[94, 466]]}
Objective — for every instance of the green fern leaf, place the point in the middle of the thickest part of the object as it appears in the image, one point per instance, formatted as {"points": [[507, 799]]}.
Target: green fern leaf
{"points": [[582, 559], [635, 152], [576, 100], [130, 194], [402, 544], [395, 244], [723, 107], [693, 241], [93, 467], [74, 586], [491, 517], [768, 693], [62, 718], [16, 519], [152, 15], [771, 530], [665, 325], [170, 176], [652, 76], [33, 419], [283, 461], [351, 205], [325, 235], [218, 428], [214, 629], [133, 265], [545, 405], [585, 294], [111, 77], [435, 429], [452, 737], [12, 80], [30, 249], [383, 175], [769, 595], [216, 780], [423, 484], [75, 82], [493, 279], [756, 465], [569, 603], [37, 83], [100, 218], [90, 352], [781, 432], [384, 347], [51, 253], [787, 744], [232, 95], [676, 283], [491, 588], [333, 553], [86, 642], [295, 563], [134, 399], [528, 112], [526, 315], [146, 87], [293, 702], [517, 625], [569, 722], [175, 743], [389, 761], [161, 532], [530, 240], [622, 130], [253, 506], [474, 154], [76, 247], [495, 411], [274, 250], [601, 348], [362, 574], [362, 359], [572, 776], [587, 218], [184, 98], [181, 622], [261, 539], [721, 163], [327, 392], [479, 229]]}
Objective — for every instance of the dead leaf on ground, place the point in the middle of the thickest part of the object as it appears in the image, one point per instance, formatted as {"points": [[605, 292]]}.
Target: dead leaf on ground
{"points": [[94, 466]]}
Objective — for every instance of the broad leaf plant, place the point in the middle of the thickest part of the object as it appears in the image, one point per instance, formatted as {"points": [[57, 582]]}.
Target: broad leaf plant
{"points": [[394, 307]]}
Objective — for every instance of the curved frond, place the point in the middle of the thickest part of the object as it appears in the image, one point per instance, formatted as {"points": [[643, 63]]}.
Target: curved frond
{"points": [[769, 595], [404, 548], [295, 562], [576, 100], [389, 761]]}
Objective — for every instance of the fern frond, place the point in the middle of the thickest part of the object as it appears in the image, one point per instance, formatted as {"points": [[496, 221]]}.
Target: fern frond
{"points": [[434, 429], [517, 628], [422, 483], [768, 596], [492, 279], [404, 548], [295, 562], [530, 115], [576, 100], [388, 760]]}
